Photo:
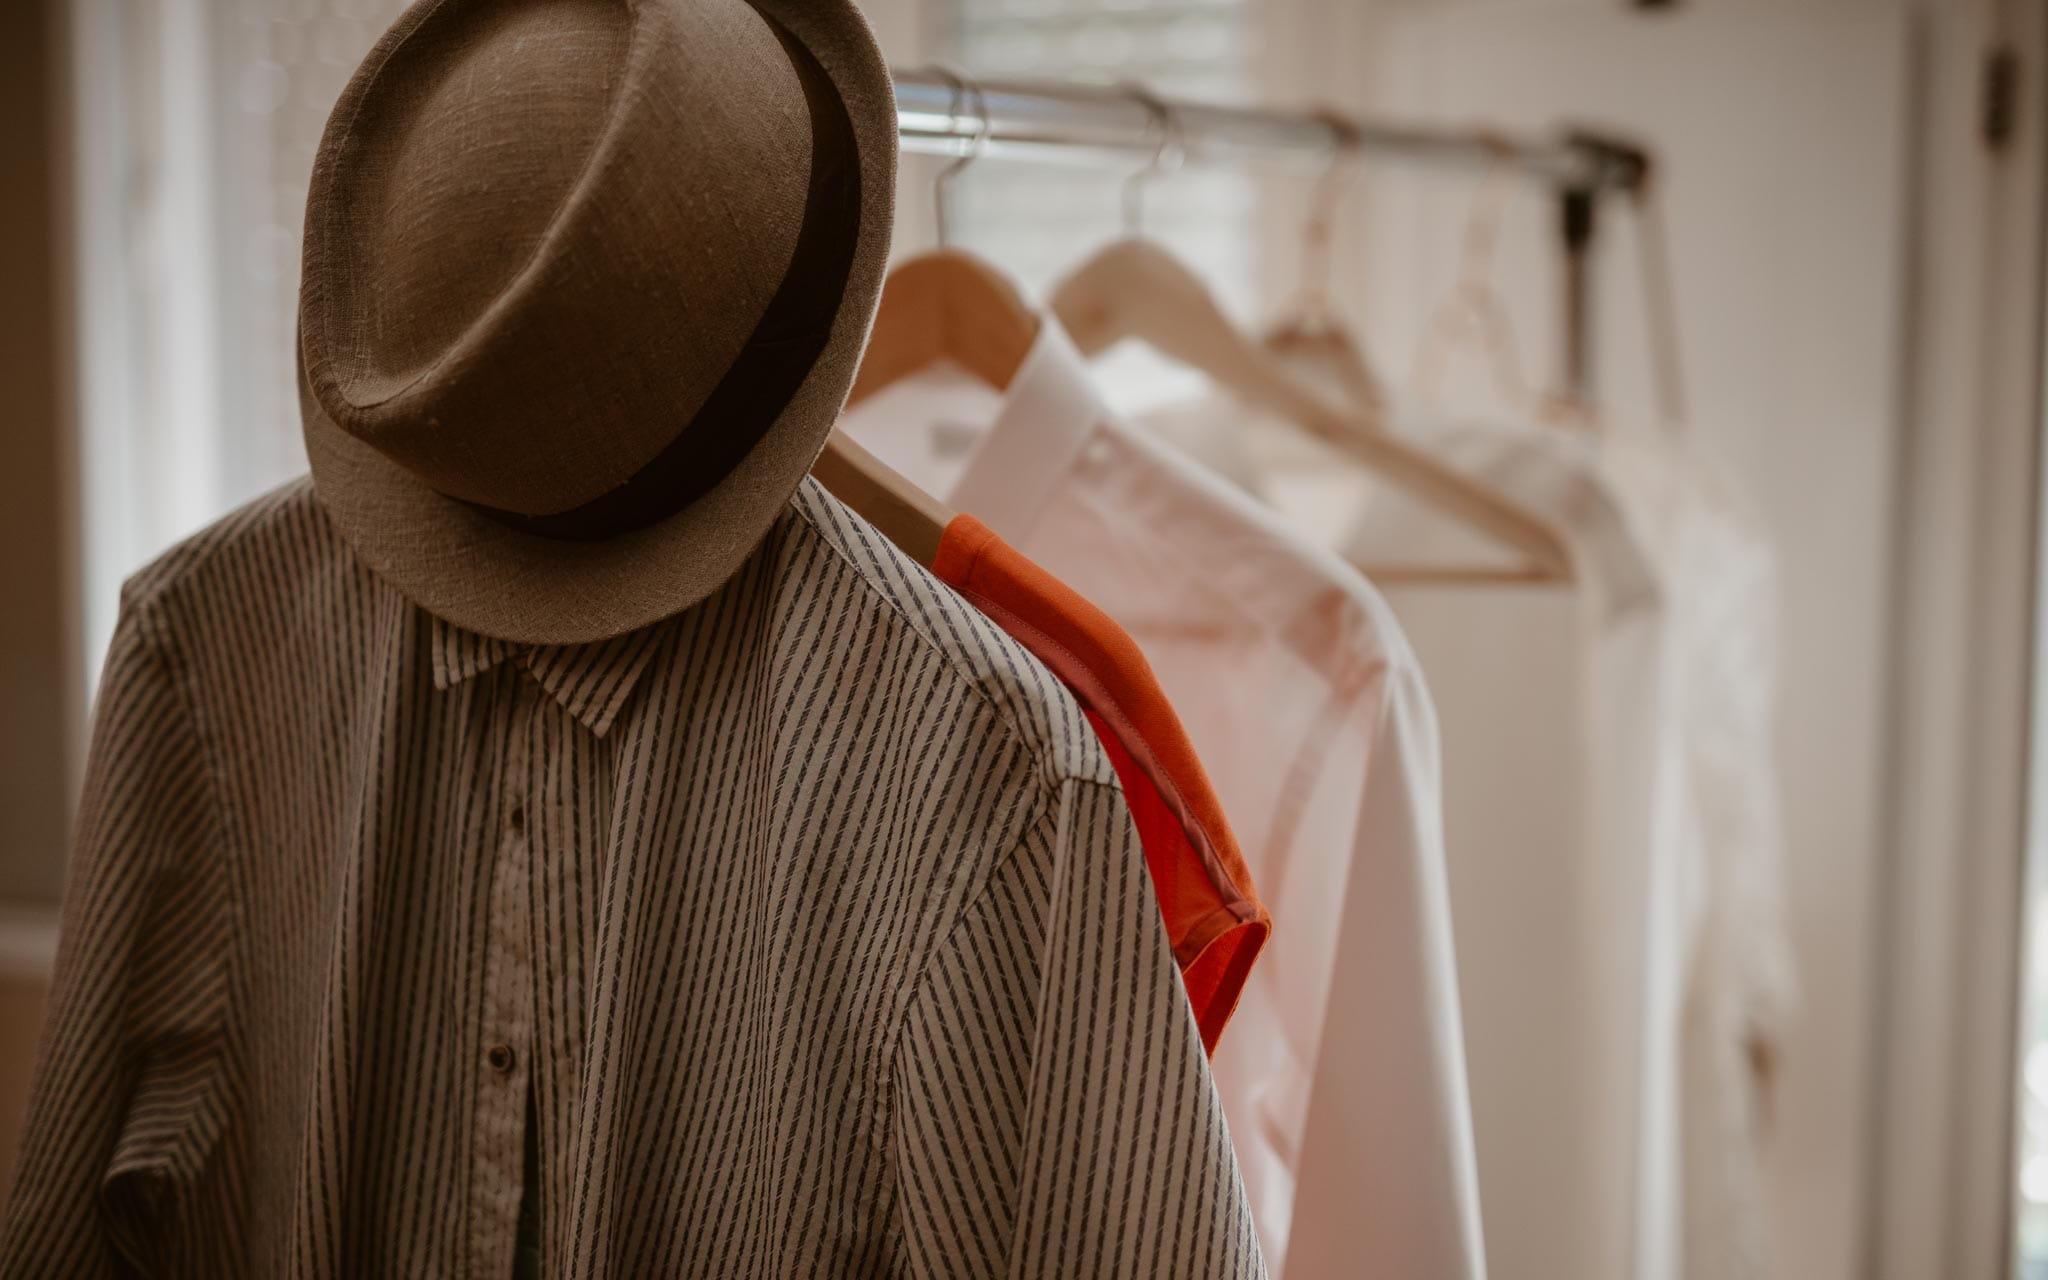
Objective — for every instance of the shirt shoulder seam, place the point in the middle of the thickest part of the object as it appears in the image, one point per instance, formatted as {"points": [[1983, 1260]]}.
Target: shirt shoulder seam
{"points": [[185, 561], [1049, 769]]}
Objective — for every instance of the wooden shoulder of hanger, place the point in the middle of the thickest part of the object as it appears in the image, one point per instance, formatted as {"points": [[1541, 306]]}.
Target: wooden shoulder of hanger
{"points": [[906, 515], [1133, 289], [946, 305], [939, 306]]}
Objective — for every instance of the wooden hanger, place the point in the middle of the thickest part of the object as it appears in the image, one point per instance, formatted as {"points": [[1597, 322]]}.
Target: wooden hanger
{"points": [[944, 305], [1325, 342], [947, 305], [1309, 329], [906, 515], [1312, 333], [1135, 289], [1473, 313]]}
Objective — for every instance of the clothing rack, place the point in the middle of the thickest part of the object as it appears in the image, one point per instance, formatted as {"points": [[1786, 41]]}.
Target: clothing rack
{"points": [[940, 113]]}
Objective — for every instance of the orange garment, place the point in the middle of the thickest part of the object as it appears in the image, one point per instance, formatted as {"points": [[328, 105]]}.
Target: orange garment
{"points": [[1213, 915]]}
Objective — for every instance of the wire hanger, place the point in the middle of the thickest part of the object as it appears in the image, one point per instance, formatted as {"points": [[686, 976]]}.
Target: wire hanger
{"points": [[1172, 142], [1472, 313], [1309, 329], [942, 181], [1135, 289], [948, 304]]}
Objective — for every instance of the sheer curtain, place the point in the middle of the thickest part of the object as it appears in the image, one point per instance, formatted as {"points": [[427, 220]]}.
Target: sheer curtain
{"points": [[196, 124]]}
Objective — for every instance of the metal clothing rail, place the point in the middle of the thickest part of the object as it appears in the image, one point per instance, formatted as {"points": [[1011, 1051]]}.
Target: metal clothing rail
{"points": [[1059, 120], [938, 113]]}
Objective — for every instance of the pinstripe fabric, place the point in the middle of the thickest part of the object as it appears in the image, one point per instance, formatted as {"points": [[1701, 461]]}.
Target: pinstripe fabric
{"points": [[812, 919]]}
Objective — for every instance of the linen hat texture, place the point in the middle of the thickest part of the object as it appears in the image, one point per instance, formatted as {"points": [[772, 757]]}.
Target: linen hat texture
{"points": [[585, 284]]}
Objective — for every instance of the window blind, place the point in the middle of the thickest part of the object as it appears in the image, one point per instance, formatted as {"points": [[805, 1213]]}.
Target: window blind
{"points": [[1038, 220]]}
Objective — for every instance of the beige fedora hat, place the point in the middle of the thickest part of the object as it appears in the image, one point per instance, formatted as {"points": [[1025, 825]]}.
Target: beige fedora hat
{"points": [[585, 285]]}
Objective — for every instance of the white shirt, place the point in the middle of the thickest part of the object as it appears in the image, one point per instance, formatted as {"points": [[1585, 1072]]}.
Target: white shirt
{"points": [[1612, 813], [1342, 1073]]}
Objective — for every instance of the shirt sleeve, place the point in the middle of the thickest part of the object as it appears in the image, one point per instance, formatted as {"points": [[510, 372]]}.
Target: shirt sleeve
{"points": [[1388, 1183], [1054, 1114], [126, 1102]]}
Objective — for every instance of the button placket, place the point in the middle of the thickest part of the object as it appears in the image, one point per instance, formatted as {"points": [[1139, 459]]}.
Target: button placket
{"points": [[502, 1068]]}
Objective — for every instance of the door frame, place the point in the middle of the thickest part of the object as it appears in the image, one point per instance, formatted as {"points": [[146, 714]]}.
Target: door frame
{"points": [[1940, 1195]]}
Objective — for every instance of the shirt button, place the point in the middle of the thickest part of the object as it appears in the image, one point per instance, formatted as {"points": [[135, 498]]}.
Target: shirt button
{"points": [[501, 1059], [518, 816]]}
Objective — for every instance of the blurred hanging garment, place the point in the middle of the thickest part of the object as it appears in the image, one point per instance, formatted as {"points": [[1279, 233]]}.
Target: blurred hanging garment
{"points": [[1720, 805], [1214, 919], [810, 924], [1615, 856], [1310, 715]]}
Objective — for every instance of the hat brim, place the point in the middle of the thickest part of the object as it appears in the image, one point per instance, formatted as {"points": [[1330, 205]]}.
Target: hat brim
{"points": [[471, 570]]}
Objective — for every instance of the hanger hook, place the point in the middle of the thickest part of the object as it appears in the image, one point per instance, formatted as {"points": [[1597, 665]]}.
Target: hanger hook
{"points": [[1172, 141], [1319, 232], [964, 90]]}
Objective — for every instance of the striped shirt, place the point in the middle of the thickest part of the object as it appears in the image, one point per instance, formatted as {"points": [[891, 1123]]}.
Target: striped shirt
{"points": [[810, 925]]}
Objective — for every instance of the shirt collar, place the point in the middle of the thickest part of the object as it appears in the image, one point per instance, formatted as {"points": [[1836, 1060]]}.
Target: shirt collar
{"points": [[591, 681], [1049, 412]]}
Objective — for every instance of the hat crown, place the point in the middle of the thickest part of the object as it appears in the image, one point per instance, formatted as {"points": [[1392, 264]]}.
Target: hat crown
{"points": [[540, 230]]}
